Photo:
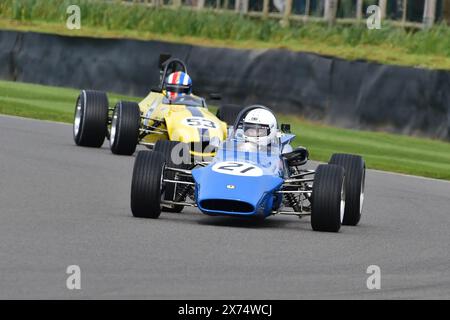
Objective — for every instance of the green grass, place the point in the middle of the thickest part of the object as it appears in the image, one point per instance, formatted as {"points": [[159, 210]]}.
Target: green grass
{"points": [[411, 155], [383, 151], [42, 102], [424, 48]]}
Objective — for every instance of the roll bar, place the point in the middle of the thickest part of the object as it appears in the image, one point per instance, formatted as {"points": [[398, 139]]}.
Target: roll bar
{"points": [[168, 66]]}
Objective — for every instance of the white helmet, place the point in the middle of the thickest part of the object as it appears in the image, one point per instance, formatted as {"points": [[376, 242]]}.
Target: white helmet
{"points": [[260, 126]]}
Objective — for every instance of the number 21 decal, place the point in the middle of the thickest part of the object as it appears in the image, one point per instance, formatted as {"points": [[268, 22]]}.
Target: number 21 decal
{"points": [[237, 169]]}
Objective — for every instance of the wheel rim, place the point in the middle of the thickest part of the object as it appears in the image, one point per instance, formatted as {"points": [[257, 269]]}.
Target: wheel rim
{"points": [[361, 196], [161, 191], [78, 116], [342, 204], [113, 132]]}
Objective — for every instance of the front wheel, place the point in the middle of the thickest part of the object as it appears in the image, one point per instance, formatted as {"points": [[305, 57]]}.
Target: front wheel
{"points": [[90, 122], [146, 184], [328, 198], [355, 176], [125, 125]]}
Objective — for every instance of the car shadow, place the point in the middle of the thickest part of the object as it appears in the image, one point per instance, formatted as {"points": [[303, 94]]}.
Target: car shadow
{"points": [[269, 223]]}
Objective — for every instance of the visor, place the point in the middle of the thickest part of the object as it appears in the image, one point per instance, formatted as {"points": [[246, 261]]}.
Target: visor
{"points": [[177, 88], [256, 130]]}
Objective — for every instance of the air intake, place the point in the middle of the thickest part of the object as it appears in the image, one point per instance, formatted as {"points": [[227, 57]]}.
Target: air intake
{"points": [[227, 206]]}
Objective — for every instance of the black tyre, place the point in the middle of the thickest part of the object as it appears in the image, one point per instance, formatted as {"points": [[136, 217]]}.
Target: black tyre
{"points": [[165, 147], [125, 124], [91, 119], [146, 185], [228, 113], [328, 198], [355, 175]]}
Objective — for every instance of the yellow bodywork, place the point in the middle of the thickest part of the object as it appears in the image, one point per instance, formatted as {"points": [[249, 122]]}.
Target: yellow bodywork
{"points": [[183, 123]]}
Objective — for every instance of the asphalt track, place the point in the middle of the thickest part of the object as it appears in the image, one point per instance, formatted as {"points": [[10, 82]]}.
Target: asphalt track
{"points": [[63, 205]]}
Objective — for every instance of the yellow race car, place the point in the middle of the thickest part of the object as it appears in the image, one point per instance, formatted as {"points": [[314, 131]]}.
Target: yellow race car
{"points": [[159, 116]]}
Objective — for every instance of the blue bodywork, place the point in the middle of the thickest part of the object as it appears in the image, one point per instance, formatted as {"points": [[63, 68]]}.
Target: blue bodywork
{"points": [[241, 183]]}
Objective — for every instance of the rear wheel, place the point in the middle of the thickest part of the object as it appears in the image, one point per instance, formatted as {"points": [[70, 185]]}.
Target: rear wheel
{"points": [[355, 174], [165, 147], [228, 113], [328, 198], [146, 185], [125, 125], [91, 119]]}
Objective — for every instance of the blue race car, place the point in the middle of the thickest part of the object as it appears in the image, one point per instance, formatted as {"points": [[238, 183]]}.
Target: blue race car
{"points": [[248, 181]]}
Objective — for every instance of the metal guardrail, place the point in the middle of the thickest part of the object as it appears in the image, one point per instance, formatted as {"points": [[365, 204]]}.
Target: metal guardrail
{"points": [[329, 10]]}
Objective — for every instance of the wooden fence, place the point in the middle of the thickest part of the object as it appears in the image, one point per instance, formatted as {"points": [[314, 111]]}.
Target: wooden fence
{"points": [[329, 12]]}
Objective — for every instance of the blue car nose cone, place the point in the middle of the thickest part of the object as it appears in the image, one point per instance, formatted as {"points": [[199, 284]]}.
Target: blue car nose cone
{"points": [[227, 194]]}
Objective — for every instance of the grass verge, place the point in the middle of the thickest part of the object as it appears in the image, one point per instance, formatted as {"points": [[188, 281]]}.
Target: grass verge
{"points": [[383, 151], [42, 102]]}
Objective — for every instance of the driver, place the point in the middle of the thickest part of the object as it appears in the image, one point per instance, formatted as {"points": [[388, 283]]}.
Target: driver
{"points": [[259, 130], [177, 84]]}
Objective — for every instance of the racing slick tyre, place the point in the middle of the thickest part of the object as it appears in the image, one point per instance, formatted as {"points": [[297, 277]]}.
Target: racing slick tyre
{"points": [[165, 147], [146, 184], [125, 124], [90, 122], [355, 174], [328, 198], [228, 113]]}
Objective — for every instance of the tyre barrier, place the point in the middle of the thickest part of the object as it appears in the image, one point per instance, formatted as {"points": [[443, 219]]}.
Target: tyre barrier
{"points": [[352, 94]]}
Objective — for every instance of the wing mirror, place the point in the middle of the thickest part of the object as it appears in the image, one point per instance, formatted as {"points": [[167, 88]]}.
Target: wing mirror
{"points": [[297, 157], [285, 128]]}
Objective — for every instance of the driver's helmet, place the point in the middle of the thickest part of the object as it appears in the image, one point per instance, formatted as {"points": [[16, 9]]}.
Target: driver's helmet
{"points": [[178, 84], [260, 127]]}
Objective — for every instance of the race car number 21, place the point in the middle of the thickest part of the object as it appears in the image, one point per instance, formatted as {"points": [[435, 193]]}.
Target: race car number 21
{"points": [[237, 169], [199, 122]]}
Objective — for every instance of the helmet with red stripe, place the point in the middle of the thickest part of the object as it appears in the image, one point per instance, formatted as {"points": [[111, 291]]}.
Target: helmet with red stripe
{"points": [[177, 84]]}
